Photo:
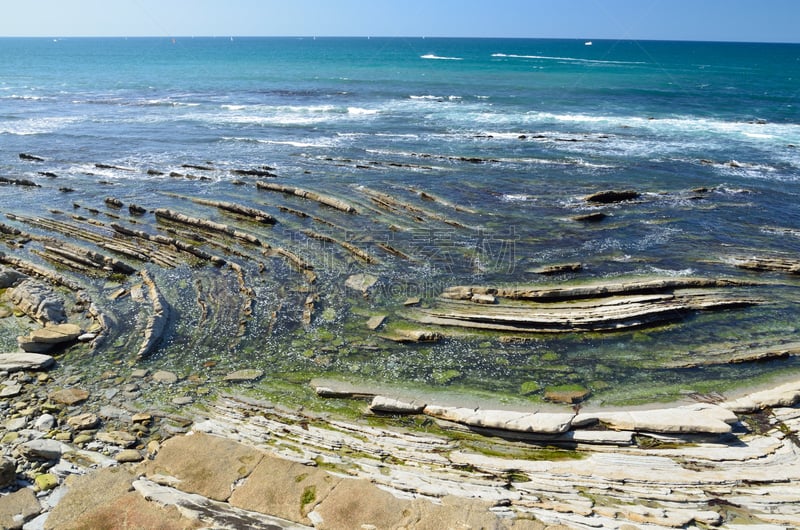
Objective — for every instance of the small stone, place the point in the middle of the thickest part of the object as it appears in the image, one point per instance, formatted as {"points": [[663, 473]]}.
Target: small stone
{"points": [[83, 439], [63, 436], [87, 337], [120, 438], [16, 424], [142, 417], [182, 400], [45, 482], [84, 421], [69, 396], [162, 376], [10, 390], [45, 422], [241, 376], [139, 373], [412, 301], [129, 455]]}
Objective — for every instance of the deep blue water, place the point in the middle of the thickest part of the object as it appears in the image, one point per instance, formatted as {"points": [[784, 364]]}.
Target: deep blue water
{"points": [[552, 120]]}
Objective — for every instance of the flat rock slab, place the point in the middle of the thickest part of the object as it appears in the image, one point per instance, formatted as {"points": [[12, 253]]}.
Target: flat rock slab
{"points": [[56, 334], [16, 361], [69, 396], [786, 395], [532, 422], [43, 449], [206, 465], [675, 420]]}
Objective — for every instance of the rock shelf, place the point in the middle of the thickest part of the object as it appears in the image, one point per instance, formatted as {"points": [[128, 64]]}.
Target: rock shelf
{"points": [[327, 200], [597, 307]]}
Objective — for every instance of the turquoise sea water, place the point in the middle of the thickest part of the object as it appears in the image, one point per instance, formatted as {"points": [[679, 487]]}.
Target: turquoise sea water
{"points": [[517, 131]]}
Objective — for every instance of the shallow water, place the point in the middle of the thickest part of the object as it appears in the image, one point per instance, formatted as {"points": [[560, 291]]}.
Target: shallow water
{"points": [[509, 135]]}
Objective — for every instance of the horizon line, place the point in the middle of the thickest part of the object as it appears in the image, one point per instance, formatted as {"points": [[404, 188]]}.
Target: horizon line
{"points": [[421, 37]]}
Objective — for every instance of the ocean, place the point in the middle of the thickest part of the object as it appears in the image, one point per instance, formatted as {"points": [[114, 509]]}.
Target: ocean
{"points": [[490, 145]]}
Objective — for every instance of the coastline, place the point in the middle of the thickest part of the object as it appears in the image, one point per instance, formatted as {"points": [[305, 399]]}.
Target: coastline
{"points": [[440, 470]]}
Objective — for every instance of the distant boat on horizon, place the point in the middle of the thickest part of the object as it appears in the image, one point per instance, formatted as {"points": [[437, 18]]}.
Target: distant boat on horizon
{"points": [[587, 43]]}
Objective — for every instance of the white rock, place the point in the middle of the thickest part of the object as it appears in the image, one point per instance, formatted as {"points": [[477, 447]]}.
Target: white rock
{"points": [[45, 422], [675, 420], [391, 405]]}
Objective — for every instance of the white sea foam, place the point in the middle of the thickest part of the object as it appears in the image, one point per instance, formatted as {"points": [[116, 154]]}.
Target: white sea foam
{"points": [[567, 59], [32, 126], [439, 58]]}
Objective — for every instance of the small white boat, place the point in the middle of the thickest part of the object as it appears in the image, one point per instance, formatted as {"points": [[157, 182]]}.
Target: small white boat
{"points": [[587, 43]]}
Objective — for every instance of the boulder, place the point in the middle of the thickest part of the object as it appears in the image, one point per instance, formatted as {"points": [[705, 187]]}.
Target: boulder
{"points": [[42, 449], [18, 361], [84, 421], [38, 302]]}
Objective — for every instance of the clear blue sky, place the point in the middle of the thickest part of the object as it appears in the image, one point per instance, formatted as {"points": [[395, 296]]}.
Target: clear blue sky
{"points": [[725, 20]]}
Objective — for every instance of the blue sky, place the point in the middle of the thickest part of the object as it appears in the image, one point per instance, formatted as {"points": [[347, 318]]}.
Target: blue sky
{"points": [[722, 20]]}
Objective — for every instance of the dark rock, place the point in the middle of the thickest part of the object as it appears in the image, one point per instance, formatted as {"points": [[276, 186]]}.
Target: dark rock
{"points": [[110, 166], [611, 196], [136, 210], [154, 172], [558, 269], [254, 173], [31, 158], [47, 174], [19, 182], [8, 473], [113, 202]]}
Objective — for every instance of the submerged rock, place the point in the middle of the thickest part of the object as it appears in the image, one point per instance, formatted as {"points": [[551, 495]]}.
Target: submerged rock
{"points": [[361, 282], [612, 196]]}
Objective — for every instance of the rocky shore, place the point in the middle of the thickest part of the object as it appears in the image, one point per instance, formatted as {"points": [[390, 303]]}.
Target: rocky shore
{"points": [[240, 463], [101, 426]]}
